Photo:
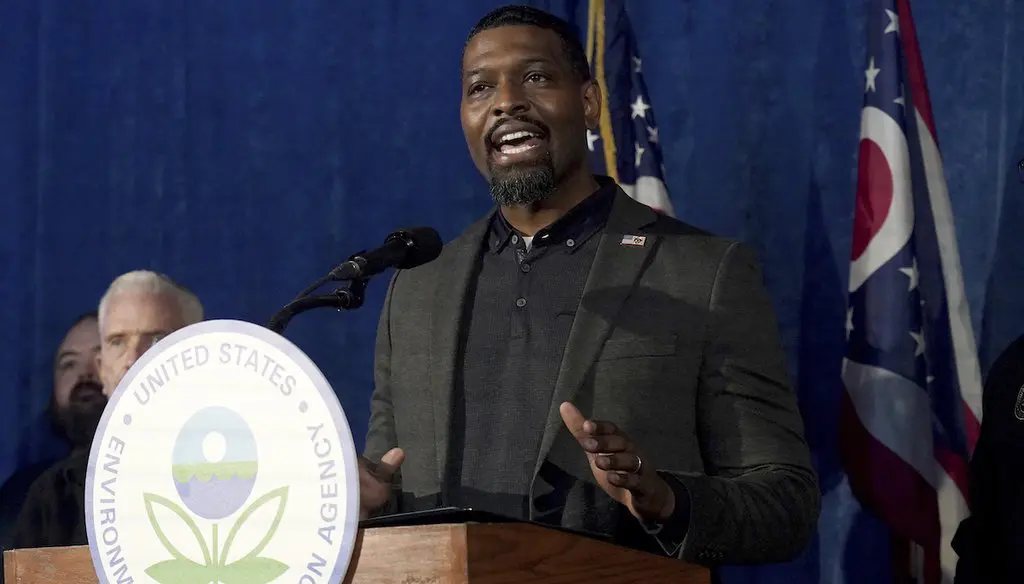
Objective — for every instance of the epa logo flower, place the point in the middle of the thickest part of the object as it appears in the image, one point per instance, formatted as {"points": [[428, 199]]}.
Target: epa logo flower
{"points": [[214, 467]]}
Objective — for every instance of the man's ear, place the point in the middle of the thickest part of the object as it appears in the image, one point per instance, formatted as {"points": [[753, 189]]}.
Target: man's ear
{"points": [[592, 104]]}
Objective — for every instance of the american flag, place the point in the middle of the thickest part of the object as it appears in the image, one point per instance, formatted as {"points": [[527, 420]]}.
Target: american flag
{"points": [[912, 408], [626, 147]]}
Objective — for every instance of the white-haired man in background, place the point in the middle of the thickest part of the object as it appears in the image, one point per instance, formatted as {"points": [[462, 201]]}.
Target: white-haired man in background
{"points": [[138, 309]]}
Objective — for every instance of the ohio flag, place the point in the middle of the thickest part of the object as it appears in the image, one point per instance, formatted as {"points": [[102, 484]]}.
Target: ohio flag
{"points": [[912, 408]]}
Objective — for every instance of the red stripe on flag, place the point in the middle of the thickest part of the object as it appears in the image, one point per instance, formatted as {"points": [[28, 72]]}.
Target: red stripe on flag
{"points": [[918, 88], [885, 484], [955, 466]]}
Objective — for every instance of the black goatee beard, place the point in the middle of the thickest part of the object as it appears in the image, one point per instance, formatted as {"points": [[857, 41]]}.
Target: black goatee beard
{"points": [[523, 185], [82, 415]]}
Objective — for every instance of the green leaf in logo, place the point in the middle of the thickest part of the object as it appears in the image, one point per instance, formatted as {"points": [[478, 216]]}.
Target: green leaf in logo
{"points": [[153, 499], [179, 571], [279, 495], [252, 570]]}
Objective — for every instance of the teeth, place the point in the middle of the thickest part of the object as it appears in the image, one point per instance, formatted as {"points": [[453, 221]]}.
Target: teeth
{"points": [[506, 149], [516, 136]]}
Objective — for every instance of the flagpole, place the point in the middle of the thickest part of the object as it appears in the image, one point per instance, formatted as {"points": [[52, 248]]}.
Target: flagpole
{"points": [[596, 43]]}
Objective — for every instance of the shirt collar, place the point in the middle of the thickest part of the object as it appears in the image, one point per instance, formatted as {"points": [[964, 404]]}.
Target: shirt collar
{"points": [[578, 224]]}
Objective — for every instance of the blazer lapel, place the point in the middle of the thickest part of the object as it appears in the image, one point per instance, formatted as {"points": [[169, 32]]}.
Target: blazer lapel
{"points": [[453, 279], [616, 269]]}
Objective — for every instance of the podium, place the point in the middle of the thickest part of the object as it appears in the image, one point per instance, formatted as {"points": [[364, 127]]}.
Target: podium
{"points": [[453, 553]]}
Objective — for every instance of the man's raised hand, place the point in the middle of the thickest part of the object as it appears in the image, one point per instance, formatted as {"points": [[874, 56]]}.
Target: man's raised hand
{"points": [[375, 479]]}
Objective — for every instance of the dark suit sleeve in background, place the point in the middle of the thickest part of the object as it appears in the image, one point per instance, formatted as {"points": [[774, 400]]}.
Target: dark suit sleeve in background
{"points": [[759, 499], [987, 542], [381, 435]]}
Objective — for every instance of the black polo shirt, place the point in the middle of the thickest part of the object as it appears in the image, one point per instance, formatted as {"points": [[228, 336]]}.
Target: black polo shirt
{"points": [[519, 312]]}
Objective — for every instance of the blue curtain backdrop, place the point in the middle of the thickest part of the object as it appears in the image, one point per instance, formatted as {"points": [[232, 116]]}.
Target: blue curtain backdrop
{"points": [[245, 147]]}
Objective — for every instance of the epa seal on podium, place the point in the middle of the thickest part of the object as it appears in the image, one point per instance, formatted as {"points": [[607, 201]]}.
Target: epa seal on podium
{"points": [[223, 456]]}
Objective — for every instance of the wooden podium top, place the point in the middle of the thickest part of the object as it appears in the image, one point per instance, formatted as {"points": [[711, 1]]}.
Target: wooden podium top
{"points": [[442, 554]]}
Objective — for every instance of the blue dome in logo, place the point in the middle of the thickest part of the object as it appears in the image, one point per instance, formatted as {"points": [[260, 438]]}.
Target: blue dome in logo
{"points": [[214, 462]]}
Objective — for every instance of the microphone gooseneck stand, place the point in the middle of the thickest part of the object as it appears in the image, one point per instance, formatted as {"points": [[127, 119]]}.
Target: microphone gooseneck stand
{"points": [[403, 249], [341, 298]]}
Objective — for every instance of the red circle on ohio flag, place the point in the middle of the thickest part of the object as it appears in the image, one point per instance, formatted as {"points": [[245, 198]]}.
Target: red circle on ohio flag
{"points": [[874, 195]]}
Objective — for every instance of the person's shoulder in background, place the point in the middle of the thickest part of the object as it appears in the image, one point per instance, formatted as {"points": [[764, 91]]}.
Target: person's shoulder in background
{"points": [[988, 540], [1004, 380], [12, 496]]}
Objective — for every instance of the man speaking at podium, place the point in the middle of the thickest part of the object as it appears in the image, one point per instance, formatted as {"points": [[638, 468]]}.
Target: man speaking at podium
{"points": [[576, 359]]}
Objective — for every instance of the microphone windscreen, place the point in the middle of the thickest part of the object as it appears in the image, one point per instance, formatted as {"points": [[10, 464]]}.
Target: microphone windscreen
{"points": [[424, 246]]}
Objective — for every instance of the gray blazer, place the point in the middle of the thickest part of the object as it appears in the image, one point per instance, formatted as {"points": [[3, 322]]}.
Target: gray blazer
{"points": [[675, 341]]}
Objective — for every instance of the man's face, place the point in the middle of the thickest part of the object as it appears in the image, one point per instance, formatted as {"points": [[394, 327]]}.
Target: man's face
{"points": [[76, 361], [78, 399], [132, 324], [524, 112]]}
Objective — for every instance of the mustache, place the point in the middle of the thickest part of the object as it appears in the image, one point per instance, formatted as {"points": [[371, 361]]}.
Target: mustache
{"points": [[84, 411], [544, 130], [85, 390]]}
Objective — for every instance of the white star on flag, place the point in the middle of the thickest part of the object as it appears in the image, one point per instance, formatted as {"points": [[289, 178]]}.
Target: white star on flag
{"points": [[894, 22], [919, 339], [870, 74], [626, 146], [639, 107], [911, 273]]}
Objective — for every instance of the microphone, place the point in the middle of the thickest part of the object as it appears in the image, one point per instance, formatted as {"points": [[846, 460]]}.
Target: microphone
{"points": [[403, 249]]}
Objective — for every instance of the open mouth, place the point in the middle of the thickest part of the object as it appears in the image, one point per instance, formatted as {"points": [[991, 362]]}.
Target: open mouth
{"points": [[87, 398], [517, 145]]}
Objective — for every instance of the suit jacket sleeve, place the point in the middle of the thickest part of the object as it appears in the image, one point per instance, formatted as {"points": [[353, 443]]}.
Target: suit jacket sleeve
{"points": [[758, 500], [973, 540], [34, 522], [53, 513], [980, 540], [381, 435]]}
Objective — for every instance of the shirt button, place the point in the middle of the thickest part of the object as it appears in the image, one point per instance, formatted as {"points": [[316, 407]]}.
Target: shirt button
{"points": [[570, 242], [521, 302], [525, 267]]}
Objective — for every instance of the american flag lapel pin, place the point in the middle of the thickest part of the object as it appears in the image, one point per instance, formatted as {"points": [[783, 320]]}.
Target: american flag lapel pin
{"points": [[634, 240]]}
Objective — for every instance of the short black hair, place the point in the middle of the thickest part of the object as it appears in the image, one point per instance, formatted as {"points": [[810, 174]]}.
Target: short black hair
{"points": [[90, 315], [517, 15], [52, 411]]}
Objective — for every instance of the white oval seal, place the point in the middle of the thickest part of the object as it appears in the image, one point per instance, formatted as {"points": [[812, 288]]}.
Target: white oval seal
{"points": [[222, 456]]}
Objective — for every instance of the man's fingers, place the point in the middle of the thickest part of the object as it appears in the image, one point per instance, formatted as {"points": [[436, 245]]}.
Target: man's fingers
{"points": [[393, 458], [573, 419], [625, 480], [600, 428], [580, 426], [612, 443], [621, 462], [390, 462], [388, 465]]}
